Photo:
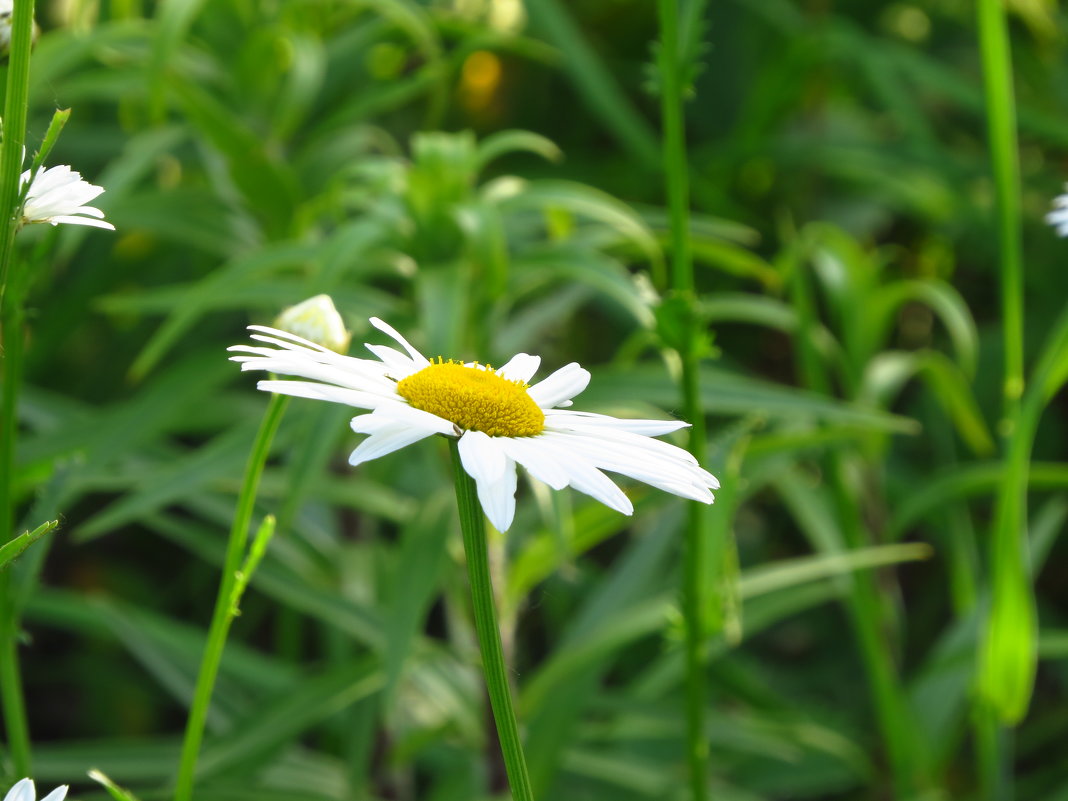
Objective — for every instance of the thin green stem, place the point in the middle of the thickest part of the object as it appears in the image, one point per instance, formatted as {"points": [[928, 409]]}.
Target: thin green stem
{"points": [[694, 592], [865, 609], [1004, 158], [1006, 659], [224, 611], [489, 633], [15, 106], [15, 721]]}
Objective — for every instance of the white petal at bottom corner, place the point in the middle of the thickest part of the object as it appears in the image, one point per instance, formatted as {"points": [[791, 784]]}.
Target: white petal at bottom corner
{"points": [[483, 458], [22, 791], [58, 794], [498, 497]]}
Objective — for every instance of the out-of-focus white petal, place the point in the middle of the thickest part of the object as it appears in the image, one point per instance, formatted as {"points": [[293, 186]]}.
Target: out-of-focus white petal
{"points": [[22, 791]]}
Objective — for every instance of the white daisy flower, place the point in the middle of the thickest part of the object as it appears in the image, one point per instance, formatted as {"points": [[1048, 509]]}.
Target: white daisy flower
{"points": [[25, 791], [499, 418], [1058, 218], [58, 195]]}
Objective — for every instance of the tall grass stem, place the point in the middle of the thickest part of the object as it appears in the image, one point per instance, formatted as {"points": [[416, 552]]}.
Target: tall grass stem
{"points": [[489, 634], [1007, 643], [223, 615], [14, 136], [694, 593]]}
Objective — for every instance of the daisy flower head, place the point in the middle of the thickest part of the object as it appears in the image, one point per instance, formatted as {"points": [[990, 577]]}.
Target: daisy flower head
{"points": [[25, 791], [1058, 218], [499, 418], [58, 195]]}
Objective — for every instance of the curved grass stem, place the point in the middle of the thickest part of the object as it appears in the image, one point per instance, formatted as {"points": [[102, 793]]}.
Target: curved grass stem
{"points": [[225, 610]]}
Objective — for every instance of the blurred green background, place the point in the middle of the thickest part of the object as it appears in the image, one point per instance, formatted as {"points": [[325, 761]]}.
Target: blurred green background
{"points": [[486, 176]]}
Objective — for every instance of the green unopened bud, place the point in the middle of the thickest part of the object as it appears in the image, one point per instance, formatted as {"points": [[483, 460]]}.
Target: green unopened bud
{"points": [[318, 321]]}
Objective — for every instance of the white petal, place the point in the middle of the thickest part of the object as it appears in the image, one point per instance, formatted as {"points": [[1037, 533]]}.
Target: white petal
{"points": [[591, 481], [670, 470], [57, 795], [284, 339], [574, 421], [564, 384], [520, 367], [22, 791], [386, 328], [326, 373], [403, 414], [386, 440], [400, 366], [306, 389], [482, 458], [498, 498], [541, 462], [63, 218]]}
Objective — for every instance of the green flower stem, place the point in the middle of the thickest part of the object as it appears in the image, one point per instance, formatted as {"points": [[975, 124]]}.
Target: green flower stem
{"points": [[15, 722], [1001, 130], [224, 603], [694, 593], [15, 105], [489, 634], [1007, 649]]}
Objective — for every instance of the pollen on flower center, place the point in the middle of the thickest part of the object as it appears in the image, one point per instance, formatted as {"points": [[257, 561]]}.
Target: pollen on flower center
{"points": [[474, 398]]}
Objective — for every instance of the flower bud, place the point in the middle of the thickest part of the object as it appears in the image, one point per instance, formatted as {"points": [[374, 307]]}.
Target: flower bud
{"points": [[318, 321]]}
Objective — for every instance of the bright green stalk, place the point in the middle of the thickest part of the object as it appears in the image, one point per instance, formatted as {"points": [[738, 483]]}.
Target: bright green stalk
{"points": [[1001, 129], [15, 723], [694, 594], [15, 105], [489, 633], [225, 601], [14, 134], [1007, 650]]}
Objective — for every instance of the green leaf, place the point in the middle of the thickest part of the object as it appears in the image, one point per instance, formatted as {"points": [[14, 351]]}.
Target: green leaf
{"points": [[116, 792], [888, 372], [12, 549]]}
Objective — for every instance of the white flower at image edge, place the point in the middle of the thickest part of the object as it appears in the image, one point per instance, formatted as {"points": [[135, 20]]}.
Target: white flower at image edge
{"points": [[25, 791], [499, 419], [58, 195], [1058, 218]]}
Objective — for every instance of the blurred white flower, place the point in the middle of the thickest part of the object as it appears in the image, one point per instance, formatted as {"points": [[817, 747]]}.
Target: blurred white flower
{"points": [[7, 8], [58, 195], [317, 320], [1058, 218], [498, 418], [25, 791]]}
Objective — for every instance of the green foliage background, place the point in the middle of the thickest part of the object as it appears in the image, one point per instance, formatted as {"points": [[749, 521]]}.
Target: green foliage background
{"points": [[490, 185]]}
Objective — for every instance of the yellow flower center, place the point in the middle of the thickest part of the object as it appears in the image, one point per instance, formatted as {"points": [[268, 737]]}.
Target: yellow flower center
{"points": [[474, 398]]}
